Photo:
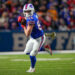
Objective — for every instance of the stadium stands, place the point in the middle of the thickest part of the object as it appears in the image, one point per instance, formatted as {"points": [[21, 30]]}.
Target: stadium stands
{"points": [[53, 14]]}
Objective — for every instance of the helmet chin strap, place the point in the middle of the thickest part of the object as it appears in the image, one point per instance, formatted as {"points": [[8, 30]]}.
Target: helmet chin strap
{"points": [[26, 15]]}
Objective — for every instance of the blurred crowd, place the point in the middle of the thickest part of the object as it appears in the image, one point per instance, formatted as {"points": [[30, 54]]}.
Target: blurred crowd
{"points": [[53, 14]]}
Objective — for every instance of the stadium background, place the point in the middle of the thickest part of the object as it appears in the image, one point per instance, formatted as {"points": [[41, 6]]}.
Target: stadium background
{"points": [[54, 15]]}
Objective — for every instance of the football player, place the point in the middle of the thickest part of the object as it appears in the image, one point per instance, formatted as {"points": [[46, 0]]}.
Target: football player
{"points": [[32, 27]]}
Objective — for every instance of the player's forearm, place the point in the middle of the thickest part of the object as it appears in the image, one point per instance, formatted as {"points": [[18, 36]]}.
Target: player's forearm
{"points": [[26, 31]]}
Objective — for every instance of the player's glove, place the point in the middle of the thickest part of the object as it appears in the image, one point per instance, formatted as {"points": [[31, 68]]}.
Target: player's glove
{"points": [[22, 20]]}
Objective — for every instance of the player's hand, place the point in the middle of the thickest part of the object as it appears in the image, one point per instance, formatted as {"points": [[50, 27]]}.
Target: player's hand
{"points": [[22, 20]]}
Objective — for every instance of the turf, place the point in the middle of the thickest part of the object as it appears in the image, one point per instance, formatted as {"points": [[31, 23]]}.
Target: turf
{"points": [[65, 66]]}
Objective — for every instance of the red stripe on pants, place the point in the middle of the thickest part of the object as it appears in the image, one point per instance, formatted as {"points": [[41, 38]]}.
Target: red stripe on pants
{"points": [[41, 43]]}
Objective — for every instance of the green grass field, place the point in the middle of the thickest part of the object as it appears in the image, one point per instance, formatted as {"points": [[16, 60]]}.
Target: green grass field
{"points": [[58, 64]]}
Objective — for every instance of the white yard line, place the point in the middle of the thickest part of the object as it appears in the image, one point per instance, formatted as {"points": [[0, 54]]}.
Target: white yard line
{"points": [[38, 59], [7, 69], [73, 62], [44, 59], [3, 57]]}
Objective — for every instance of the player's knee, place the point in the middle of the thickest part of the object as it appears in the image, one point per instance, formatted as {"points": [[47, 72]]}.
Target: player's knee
{"points": [[34, 53]]}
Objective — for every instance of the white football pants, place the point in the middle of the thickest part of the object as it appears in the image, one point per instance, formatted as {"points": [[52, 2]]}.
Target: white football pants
{"points": [[34, 45]]}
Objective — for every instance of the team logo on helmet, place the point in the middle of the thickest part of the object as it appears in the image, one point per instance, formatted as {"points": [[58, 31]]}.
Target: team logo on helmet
{"points": [[31, 6]]}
